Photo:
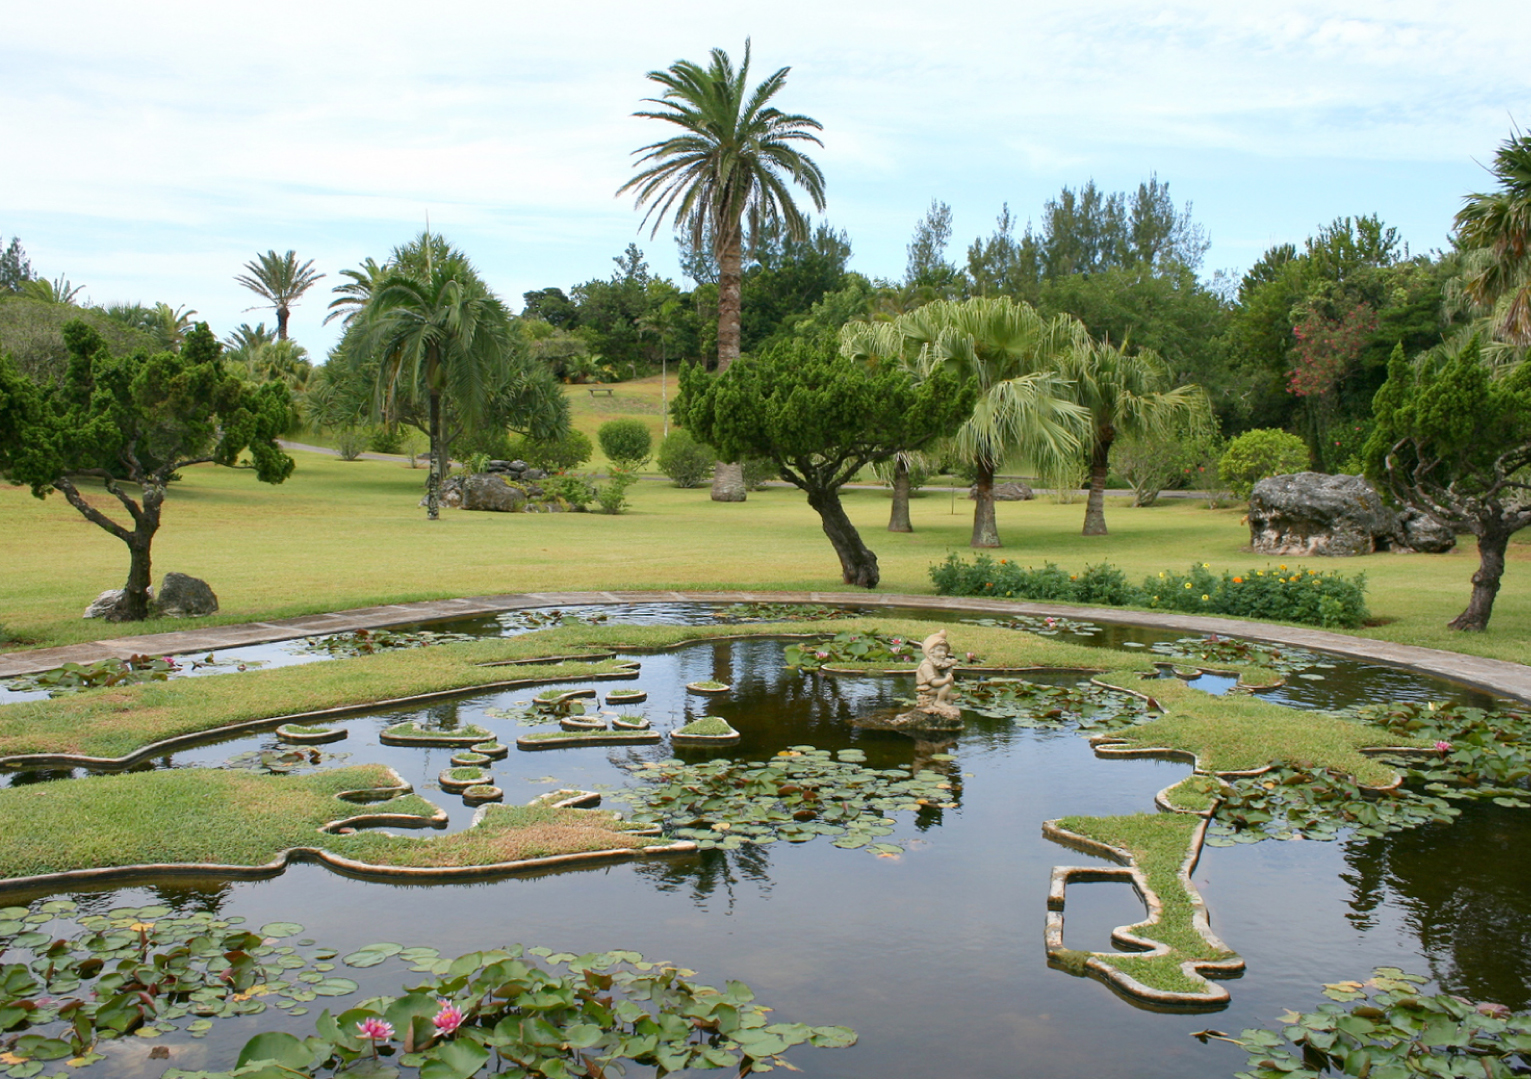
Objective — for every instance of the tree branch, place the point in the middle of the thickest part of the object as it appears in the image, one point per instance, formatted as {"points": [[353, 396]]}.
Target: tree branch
{"points": [[77, 501]]}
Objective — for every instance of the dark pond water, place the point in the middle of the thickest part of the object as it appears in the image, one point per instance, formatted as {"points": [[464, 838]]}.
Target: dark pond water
{"points": [[936, 956]]}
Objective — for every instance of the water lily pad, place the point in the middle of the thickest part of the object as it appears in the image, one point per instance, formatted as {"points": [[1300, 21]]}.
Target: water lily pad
{"points": [[281, 930]]}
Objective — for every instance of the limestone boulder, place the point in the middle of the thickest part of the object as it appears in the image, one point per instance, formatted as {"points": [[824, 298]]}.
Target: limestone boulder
{"points": [[1007, 492], [492, 491], [108, 604], [183, 596], [1418, 531], [1311, 513]]}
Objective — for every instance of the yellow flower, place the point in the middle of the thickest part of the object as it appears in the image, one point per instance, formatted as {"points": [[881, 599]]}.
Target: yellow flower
{"points": [[1204, 596], [1283, 566], [1187, 584], [1206, 566]]}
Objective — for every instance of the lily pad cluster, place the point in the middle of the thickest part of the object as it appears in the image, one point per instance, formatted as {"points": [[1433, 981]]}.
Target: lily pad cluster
{"points": [[1035, 705], [74, 980], [1213, 649], [545, 618], [367, 642], [1481, 750], [852, 647], [577, 1016], [110, 672], [1045, 625], [1290, 803], [290, 762], [800, 794], [1387, 1026], [524, 714], [763, 612]]}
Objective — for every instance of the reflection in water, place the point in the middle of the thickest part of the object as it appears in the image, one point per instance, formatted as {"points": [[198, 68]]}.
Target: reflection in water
{"points": [[711, 871], [1472, 915]]}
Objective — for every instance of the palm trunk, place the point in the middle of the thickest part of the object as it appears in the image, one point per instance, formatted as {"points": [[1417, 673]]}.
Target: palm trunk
{"points": [[281, 323], [1095, 505], [858, 566], [728, 477], [1491, 548], [898, 521], [985, 528], [433, 477]]}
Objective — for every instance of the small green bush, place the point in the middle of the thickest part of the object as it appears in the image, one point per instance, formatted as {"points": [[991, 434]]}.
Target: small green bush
{"points": [[574, 490], [627, 442], [1317, 598], [350, 443], [386, 439], [553, 455], [684, 460], [757, 471], [1257, 454], [612, 495]]}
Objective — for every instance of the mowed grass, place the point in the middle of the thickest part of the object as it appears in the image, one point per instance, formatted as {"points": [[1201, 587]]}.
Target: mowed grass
{"points": [[350, 534], [231, 817]]}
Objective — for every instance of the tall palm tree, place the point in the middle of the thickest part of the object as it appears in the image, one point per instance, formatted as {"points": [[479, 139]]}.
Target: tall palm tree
{"points": [[1023, 402], [731, 166], [1125, 394], [280, 281], [441, 334], [1499, 223], [170, 325]]}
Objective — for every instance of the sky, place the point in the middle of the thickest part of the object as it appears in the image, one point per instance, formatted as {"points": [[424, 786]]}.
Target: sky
{"points": [[154, 148]]}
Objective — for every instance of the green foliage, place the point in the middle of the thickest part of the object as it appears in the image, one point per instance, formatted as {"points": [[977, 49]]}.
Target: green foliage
{"points": [[612, 495], [1485, 749], [350, 443], [367, 642], [1086, 707], [1305, 596], [706, 725], [852, 647], [576, 491], [800, 794], [1257, 454], [758, 471], [32, 332], [1316, 804], [109, 672], [556, 455], [626, 442], [385, 439], [684, 460], [1388, 1026]]}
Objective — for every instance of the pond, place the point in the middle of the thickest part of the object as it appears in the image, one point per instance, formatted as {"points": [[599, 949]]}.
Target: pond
{"points": [[933, 955]]}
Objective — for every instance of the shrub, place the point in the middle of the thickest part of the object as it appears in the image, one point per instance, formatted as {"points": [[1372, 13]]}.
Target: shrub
{"points": [[1257, 454], [385, 439], [350, 443], [1148, 464], [627, 442], [1317, 598], [553, 455], [574, 490], [684, 460], [612, 495], [757, 471]]}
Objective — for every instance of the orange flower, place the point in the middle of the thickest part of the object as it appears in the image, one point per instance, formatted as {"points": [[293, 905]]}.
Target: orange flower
{"points": [[1238, 581]]}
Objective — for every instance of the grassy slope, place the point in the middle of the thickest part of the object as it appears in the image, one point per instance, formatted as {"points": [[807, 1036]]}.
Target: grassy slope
{"points": [[349, 534]]}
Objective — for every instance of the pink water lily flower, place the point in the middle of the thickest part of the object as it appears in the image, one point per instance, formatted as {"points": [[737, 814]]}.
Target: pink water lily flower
{"points": [[449, 1019], [1443, 746], [376, 1030]]}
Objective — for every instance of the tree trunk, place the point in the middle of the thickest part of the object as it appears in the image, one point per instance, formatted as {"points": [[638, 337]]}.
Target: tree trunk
{"points": [[858, 566], [985, 528], [898, 521], [728, 477], [433, 477], [135, 592], [281, 322], [1095, 505], [1491, 547]]}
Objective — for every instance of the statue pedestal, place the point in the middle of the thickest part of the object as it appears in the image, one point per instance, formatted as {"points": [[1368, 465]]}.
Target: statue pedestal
{"points": [[931, 717]]}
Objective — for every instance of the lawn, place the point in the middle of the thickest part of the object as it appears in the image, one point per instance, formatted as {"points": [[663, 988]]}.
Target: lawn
{"points": [[349, 534]]}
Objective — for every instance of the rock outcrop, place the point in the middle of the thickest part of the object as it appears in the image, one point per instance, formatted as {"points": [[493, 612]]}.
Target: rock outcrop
{"points": [[183, 596], [1311, 513]]}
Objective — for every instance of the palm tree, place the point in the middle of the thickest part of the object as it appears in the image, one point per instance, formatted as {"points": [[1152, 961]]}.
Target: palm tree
{"points": [[170, 325], [1023, 402], [1499, 223], [58, 291], [280, 281], [1125, 394], [730, 166], [441, 334], [661, 322]]}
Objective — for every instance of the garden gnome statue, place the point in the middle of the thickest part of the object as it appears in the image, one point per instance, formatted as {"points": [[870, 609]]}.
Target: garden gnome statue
{"points": [[933, 679]]}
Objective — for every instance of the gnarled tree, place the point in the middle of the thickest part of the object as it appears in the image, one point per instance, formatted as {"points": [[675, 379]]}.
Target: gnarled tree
{"points": [[133, 422], [820, 417], [1454, 441]]}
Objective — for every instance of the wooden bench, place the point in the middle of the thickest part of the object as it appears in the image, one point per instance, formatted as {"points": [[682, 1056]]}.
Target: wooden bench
{"points": [[594, 390]]}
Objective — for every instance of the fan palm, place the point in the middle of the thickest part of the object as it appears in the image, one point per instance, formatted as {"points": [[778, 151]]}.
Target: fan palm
{"points": [[440, 334], [730, 166], [280, 281], [1499, 222], [1023, 402], [1124, 394]]}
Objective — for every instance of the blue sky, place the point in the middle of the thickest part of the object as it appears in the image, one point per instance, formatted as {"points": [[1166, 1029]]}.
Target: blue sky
{"points": [[153, 148]]}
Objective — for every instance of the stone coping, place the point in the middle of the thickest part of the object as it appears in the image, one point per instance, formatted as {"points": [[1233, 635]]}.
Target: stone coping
{"points": [[1495, 676]]}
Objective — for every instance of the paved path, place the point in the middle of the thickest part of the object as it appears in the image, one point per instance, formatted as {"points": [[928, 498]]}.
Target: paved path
{"points": [[1497, 676]]}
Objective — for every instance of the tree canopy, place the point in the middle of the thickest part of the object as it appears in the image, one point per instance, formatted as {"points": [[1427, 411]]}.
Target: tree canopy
{"points": [[821, 417], [139, 419]]}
